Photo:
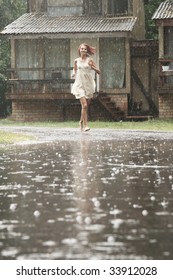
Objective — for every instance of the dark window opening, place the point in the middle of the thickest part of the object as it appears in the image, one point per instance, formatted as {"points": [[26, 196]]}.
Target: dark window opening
{"points": [[119, 7], [93, 7], [168, 42]]}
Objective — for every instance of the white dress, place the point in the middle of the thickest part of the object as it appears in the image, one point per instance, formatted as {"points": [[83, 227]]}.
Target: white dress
{"points": [[84, 85]]}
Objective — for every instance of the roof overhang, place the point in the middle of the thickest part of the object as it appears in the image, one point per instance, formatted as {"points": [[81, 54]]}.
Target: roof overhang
{"points": [[164, 11], [42, 25]]}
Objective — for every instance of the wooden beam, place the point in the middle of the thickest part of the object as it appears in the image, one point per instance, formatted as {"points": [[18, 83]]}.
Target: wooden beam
{"points": [[40, 96], [13, 56], [161, 41]]}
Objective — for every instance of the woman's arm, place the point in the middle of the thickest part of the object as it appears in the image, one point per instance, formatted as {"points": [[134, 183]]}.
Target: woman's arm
{"points": [[74, 69], [94, 67]]}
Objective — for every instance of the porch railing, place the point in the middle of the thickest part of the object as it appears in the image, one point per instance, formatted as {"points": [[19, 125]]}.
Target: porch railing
{"points": [[39, 80]]}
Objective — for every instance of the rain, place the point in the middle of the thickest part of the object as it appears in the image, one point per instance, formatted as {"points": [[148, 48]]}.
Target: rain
{"points": [[104, 194]]}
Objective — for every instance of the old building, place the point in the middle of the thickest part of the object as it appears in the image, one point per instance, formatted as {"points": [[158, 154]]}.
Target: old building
{"points": [[164, 20], [44, 43]]}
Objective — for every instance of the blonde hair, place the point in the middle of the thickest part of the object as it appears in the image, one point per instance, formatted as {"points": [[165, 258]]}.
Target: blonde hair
{"points": [[90, 50]]}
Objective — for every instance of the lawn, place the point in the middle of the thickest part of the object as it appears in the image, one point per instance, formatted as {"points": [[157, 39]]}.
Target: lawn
{"points": [[150, 125], [10, 138], [155, 124]]}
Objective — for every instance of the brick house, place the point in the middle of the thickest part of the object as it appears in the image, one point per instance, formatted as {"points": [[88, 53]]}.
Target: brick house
{"points": [[44, 44], [163, 18]]}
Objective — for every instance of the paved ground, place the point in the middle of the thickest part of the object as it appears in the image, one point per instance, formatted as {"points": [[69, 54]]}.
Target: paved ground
{"points": [[44, 134], [104, 194]]}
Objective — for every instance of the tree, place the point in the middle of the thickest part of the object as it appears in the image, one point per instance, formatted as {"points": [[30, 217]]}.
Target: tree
{"points": [[9, 11], [150, 7]]}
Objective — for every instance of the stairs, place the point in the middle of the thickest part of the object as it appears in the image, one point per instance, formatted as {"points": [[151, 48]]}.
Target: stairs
{"points": [[110, 106]]}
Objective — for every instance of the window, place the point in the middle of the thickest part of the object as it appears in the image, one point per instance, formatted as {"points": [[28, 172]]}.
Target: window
{"points": [[27, 56], [93, 7], [119, 7], [112, 62], [168, 43]]}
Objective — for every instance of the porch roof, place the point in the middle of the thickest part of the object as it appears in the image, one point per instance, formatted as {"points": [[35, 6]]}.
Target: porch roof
{"points": [[33, 23], [164, 11]]}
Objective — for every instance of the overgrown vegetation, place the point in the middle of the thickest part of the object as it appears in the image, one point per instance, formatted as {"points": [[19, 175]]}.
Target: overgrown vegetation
{"points": [[9, 11], [150, 8]]}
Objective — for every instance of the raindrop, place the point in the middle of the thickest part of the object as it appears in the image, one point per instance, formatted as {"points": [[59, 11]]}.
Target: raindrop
{"points": [[13, 207], [88, 220], [79, 219], [144, 212], [69, 241], [97, 204], [104, 194], [137, 206], [24, 193], [89, 173], [36, 213], [110, 239], [164, 203], [49, 243]]}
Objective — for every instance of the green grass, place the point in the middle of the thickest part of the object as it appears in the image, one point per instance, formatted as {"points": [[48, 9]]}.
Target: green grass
{"points": [[10, 138], [155, 124], [150, 125]]}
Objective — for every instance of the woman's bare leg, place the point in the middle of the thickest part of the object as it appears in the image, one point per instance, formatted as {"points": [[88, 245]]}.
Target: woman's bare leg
{"points": [[84, 118]]}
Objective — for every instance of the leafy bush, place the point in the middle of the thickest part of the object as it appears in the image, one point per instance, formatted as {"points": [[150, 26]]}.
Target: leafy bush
{"points": [[2, 95]]}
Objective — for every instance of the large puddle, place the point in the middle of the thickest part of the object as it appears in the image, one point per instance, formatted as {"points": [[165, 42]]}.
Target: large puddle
{"points": [[87, 200]]}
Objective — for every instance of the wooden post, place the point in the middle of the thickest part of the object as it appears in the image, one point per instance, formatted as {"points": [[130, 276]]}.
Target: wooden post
{"points": [[13, 58], [161, 41], [13, 62], [128, 65]]}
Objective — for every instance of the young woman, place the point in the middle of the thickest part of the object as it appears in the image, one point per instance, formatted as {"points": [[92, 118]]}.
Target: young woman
{"points": [[84, 85]]}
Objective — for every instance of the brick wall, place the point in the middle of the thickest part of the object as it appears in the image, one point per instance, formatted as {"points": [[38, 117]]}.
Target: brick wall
{"points": [[166, 105], [121, 101], [56, 110], [36, 110]]}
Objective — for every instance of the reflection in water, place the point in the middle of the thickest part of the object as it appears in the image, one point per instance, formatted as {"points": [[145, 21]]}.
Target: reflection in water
{"points": [[87, 200]]}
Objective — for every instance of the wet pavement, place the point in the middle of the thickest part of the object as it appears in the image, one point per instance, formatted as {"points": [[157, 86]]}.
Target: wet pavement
{"points": [[104, 194]]}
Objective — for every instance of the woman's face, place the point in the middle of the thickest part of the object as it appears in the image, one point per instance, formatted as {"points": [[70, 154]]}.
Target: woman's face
{"points": [[83, 49]]}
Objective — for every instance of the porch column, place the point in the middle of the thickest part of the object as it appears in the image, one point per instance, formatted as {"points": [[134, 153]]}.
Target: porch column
{"points": [[41, 59], [13, 58], [161, 41]]}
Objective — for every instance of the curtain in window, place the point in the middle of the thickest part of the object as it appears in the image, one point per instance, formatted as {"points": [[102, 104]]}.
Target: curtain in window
{"points": [[57, 54], [112, 60], [27, 56]]}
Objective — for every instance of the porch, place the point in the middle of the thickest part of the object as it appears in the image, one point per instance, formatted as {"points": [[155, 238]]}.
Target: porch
{"points": [[56, 87], [38, 99]]}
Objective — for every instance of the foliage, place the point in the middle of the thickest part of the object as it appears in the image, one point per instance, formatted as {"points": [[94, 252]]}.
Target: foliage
{"points": [[150, 7], [9, 11], [2, 95]]}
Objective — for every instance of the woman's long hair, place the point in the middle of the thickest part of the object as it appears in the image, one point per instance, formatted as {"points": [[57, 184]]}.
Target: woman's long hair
{"points": [[90, 50]]}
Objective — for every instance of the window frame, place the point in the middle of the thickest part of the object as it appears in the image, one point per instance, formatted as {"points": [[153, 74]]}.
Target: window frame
{"points": [[113, 4], [87, 8]]}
